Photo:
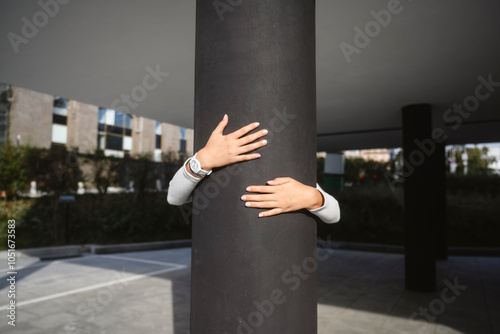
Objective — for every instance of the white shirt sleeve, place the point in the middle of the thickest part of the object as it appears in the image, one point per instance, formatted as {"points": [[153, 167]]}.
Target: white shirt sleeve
{"points": [[181, 187], [330, 211]]}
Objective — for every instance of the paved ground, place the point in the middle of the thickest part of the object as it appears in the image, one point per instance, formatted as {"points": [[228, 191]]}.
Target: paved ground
{"points": [[148, 292]]}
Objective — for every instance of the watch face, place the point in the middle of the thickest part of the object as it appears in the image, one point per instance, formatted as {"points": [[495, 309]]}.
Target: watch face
{"points": [[195, 165]]}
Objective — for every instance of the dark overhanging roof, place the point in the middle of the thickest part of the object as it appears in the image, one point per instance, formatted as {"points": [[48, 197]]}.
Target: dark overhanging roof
{"points": [[432, 52]]}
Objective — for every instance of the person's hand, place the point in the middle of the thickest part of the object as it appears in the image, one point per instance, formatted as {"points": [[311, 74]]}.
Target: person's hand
{"points": [[222, 150], [283, 194]]}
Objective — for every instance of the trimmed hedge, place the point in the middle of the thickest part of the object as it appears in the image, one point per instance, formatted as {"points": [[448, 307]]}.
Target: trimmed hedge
{"points": [[96, 219], [371, 214], [374, 214]]}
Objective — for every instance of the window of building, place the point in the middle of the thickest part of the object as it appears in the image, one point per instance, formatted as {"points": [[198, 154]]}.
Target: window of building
{"points": [[157, 152], [60, 121], [182, 144], [158, 135], [114, 132], [127, 143]]}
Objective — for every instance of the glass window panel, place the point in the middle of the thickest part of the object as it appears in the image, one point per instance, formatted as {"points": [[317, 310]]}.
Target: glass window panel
{"points": [[60, 107], [101, 141], [183, 145], [58, 119], [101, 127], [157, 155], [127, 143], [128, 132], [110, 117], [60, 103], [60, 111], [158, 141], [118, 118], [158, 128], [59, 134], [115, 129], [102, 115], [183, 133], [114, 142]]}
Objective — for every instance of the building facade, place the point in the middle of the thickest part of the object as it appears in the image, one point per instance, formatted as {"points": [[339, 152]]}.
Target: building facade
{"points": [[42, 120]]}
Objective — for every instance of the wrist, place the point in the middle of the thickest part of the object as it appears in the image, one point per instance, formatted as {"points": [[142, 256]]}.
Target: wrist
{"points": [[204, 160], [317, 200]]}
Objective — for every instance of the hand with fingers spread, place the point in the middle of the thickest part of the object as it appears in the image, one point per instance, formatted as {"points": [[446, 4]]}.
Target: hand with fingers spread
{"points": [[222, 150], [281, 195]]}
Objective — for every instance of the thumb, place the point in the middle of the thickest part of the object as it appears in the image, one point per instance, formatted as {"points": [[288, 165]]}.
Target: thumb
{"points": [[222, 125]]}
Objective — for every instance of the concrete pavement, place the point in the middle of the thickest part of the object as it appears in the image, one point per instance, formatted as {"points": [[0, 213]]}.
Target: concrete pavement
{"points": [[148, 292]]}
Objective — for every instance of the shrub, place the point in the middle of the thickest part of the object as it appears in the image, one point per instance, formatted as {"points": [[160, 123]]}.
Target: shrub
{"points": [[368, 214], [93, 218]]}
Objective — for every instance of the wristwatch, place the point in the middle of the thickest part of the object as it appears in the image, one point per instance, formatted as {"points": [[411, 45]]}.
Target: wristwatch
{"points": [[195, 167]]}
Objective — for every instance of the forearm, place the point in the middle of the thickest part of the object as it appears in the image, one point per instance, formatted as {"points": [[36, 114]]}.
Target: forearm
{"points": [[181, 187]]}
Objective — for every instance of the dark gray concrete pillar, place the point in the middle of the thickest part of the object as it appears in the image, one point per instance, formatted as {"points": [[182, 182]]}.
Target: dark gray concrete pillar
{"points": [[255, 61], [420, 264]]}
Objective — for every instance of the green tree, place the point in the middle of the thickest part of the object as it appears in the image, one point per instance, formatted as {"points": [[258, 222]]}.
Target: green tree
{"points": [[479, 161], [13, 174], [142, 172], [104, 170], [55, 170], [360, 171]]}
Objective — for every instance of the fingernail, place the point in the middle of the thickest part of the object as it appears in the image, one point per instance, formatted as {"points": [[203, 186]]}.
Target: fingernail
{"points": [[261, 215], [243, 197], [264, 132], [256, 124], [247, 203], [248, 189], [258, 155], [225, 115], [264, 142], [269, 181]]}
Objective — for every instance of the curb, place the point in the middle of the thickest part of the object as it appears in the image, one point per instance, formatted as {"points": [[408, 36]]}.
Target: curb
{"points": [[59, 252], [48, 253], [136, 247], [365, 247], [62, 252]]}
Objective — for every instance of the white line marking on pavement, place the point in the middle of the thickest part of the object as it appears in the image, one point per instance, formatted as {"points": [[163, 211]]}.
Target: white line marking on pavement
{"points": [[95, 286]]}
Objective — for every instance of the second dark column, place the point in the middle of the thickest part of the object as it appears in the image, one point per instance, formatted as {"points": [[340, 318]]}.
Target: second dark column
{"points": [[420, 264]]}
